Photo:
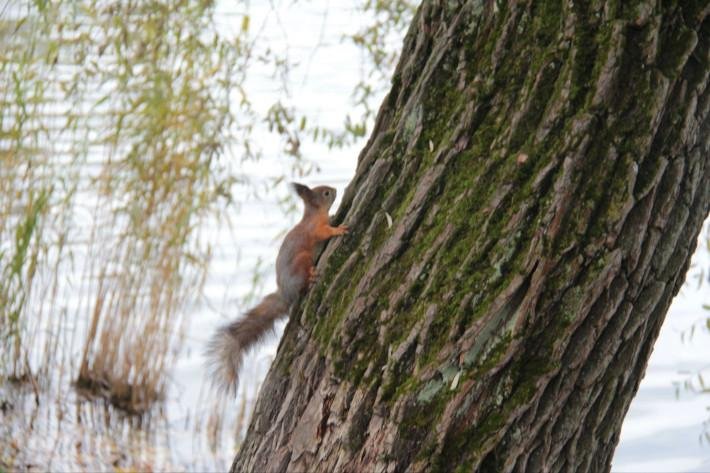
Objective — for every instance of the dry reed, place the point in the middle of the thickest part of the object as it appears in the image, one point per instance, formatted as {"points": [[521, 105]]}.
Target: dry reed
{"points": [[110, 138]]}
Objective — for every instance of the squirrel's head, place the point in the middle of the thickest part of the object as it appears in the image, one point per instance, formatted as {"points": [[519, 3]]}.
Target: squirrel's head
{"points": [[321, 197]]}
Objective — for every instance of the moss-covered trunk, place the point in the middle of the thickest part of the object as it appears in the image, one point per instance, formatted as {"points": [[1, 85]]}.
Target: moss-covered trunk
{"points": [[520, 220]]}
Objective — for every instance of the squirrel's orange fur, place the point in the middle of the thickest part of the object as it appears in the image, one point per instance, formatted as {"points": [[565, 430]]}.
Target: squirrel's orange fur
{"points": [[294, 274]]}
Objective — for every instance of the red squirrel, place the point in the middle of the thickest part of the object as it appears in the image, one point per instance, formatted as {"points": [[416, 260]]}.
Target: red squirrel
{"points": [[295, 273]]}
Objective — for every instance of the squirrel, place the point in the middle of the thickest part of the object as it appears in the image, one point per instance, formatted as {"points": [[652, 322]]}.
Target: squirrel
{"points": [[295, 273]]}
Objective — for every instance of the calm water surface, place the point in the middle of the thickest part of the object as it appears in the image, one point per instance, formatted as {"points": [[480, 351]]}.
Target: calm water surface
{"points": [[191, 430]]}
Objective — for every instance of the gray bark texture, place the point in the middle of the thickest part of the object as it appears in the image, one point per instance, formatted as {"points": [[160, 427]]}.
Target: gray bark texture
{"points": [[521, 218]]}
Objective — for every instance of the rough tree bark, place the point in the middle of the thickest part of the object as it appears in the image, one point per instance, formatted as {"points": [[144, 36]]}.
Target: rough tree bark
{"points": [[544, 168]]}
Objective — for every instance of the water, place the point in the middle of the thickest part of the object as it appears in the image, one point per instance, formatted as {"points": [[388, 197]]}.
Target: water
{"points": [[191, 430]]}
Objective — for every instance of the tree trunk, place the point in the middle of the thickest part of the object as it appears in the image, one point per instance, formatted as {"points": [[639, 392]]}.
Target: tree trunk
{"points": [[521, 218]]}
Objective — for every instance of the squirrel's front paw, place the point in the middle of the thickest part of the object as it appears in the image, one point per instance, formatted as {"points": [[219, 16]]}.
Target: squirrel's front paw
{"points": [[341, 229]]}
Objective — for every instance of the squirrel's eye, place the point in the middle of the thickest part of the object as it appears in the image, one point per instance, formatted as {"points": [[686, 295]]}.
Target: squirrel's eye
{"points": [[326, 193]]}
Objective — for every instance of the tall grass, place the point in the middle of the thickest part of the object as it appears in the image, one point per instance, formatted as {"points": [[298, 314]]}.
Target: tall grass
{"points": [[19, 263], [114, 117], [165, 132], [26, 192]]}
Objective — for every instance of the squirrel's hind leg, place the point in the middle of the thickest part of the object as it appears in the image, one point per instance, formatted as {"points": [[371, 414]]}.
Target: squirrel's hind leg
{"points": [[297, 279], [312, 276]]}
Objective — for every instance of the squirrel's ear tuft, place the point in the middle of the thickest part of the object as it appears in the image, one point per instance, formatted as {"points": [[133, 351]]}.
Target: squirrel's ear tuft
{"points": [[304, 192]]}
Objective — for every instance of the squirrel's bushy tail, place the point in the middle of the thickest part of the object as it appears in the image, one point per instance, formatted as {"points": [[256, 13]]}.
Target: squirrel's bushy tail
{"points": [[226, 349]]}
